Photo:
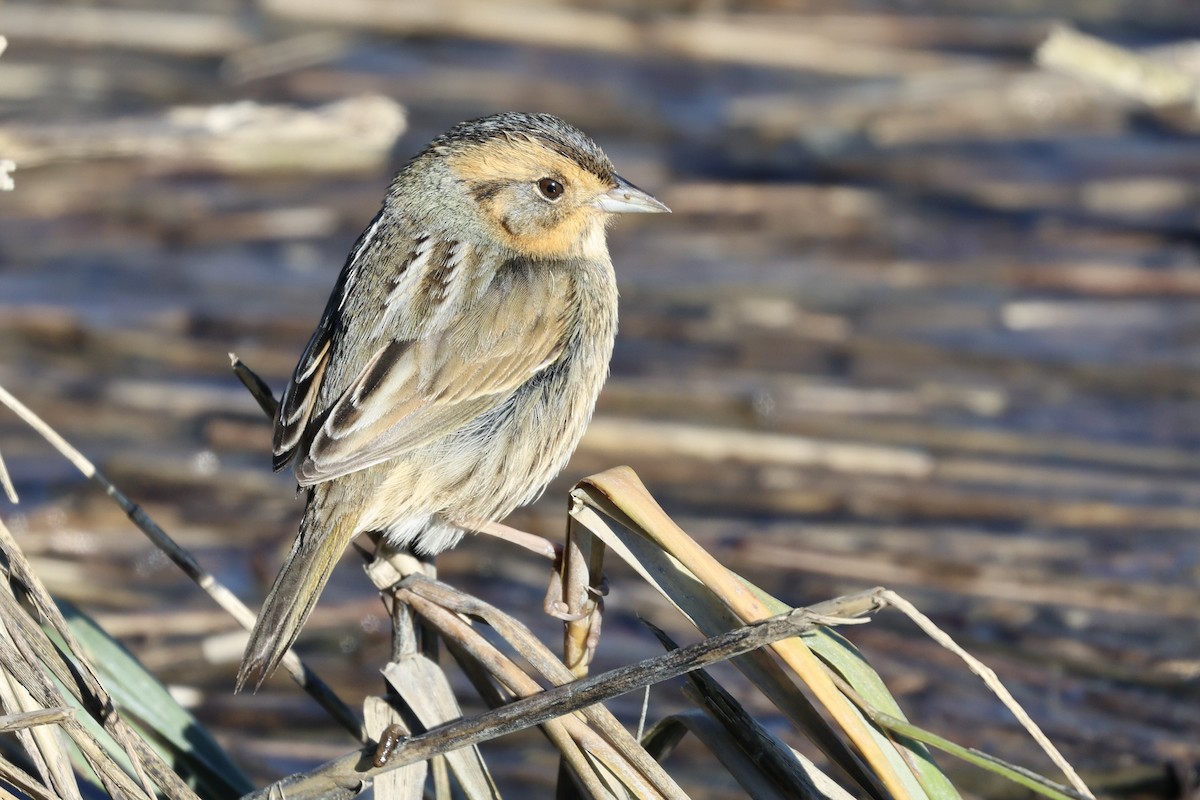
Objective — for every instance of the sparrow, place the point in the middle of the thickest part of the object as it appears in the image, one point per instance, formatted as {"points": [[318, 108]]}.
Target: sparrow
{"points": [[459, 357]]}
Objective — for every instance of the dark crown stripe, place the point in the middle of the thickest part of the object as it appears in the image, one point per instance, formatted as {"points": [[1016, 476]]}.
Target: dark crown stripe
{"points": [[561, 137]]}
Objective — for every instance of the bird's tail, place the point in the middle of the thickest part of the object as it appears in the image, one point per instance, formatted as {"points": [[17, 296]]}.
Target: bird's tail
{"points": [[323, 537]]}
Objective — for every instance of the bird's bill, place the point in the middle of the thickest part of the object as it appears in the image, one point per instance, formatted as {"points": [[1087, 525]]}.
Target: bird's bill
{"points": [[625, 198]]}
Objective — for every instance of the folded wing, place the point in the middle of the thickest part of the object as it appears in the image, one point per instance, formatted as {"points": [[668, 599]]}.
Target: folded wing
{"points": [[414, 391]]}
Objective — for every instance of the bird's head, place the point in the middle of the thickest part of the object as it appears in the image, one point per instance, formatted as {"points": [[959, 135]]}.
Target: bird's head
{"points": [[539, 185]]}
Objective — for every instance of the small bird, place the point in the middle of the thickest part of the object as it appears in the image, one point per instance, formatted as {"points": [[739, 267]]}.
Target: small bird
{"points": [[459, 357]]}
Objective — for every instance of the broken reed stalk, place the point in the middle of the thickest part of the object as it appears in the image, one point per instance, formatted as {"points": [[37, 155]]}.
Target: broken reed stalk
{"points": [[335, 778], [6, 484], [601, 734], [347, 135], [27, 719], [226, 599], [75, 671], [1118, 68]]}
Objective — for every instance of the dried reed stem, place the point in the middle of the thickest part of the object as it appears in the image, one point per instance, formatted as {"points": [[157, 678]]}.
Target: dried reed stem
{"points": [[989, 677], [226, 599], [331, 780]]}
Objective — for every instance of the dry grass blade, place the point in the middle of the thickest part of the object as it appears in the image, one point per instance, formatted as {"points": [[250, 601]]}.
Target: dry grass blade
{"points": [[682, 589], [414, 677], [769, 759], [426, 692], [154, 714], [424, 689], [6, 483], [855, 678], [742, 766], [77, 674], [17, 661], [616, 776], [90, 691], [43, 746], [27, 719], [22, 781], [417, 681], [498, 678], [623, 762], [714, 599], [993, 683], [333, 776], [401, 784], [226, 599], [556, 731]]}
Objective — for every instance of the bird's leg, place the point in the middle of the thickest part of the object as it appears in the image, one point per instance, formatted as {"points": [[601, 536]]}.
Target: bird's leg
{"points": [[554, 604], [530, 541], [579, 600], [576, 600]]}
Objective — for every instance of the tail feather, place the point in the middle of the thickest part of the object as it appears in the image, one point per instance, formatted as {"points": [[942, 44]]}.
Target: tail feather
{"points": [[299, 583]]}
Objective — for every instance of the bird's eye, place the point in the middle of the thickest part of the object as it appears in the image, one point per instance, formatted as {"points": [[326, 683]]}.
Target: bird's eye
{"points": [[550, 188]]}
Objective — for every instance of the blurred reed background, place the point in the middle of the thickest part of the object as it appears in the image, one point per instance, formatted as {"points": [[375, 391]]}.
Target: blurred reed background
{"points": [[926, 315]]}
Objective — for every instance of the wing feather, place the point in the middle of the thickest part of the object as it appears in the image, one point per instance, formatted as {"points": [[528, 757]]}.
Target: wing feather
{"points": [[412, 392], [296, 405]]}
